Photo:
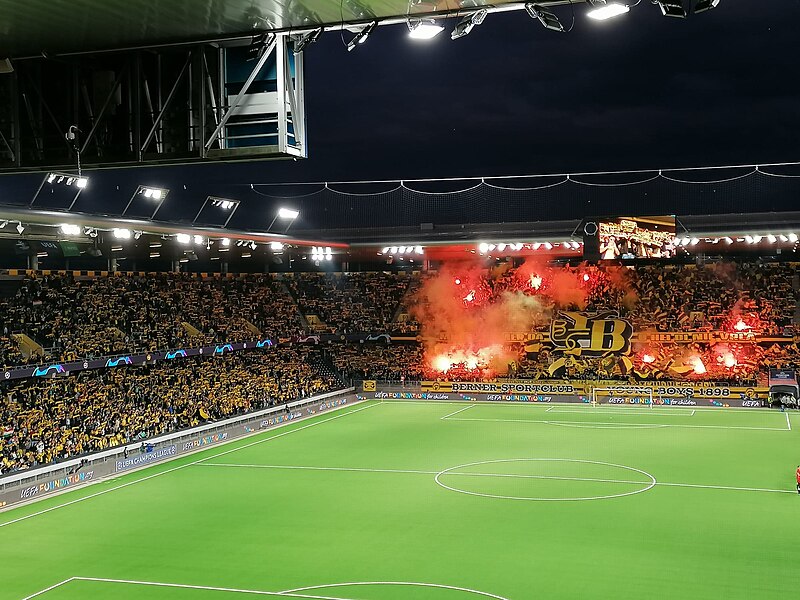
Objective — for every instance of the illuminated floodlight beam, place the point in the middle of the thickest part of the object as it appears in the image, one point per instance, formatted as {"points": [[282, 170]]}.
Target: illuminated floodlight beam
{"points": [[603, 11], [226, 206], [70, 229], [285, 214], [122, 234], [423, 29], [64, 180], [148, 195]]}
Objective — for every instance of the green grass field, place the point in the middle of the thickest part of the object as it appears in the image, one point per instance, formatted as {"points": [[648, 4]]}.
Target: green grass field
{"points": [[489, 501]]}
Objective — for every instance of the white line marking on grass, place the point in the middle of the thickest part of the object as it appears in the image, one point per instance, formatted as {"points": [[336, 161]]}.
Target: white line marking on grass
{"points": [[407, 583], [635, 412], [305, 468], [124, 485], [458, 411], [206, 587], [648, 485], [510, 475], [788, 423], [618, 425], [45, 590]]}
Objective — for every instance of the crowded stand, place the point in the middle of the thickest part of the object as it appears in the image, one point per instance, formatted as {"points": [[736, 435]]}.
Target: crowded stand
{"points": [[47, 420], [351, 302]]}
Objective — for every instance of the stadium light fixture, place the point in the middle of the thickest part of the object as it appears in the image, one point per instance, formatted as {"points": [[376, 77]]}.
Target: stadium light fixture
{"points": [[423, 29], [419, 250], [70, 229], [793, 238], [749, 239], [704, 5], [728, 240], [772, 239], [199, 239], [545, 17], [183, 238], [361, 36], [122, 234], [672, 8], [285, 214], [3, 224], [20, 228], [468, 23], [225, 242], [603, 11], [694, 241], [302, 42], [149, 200], [784, 238], [276, 246]]}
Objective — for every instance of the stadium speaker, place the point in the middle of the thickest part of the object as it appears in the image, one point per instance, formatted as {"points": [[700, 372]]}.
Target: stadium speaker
{"points": [[591, 241]]}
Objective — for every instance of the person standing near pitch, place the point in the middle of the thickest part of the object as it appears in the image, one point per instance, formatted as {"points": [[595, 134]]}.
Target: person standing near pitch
{"points": [[797, 476]]}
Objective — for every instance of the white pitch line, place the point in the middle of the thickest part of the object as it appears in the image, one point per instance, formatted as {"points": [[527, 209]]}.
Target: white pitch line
{"points": [[45, 590], [124, 485], [205, 587], [508, 475], [788, 423], [399, 583], [636, 412], [456, 412], [633, 425], [307, 468]]}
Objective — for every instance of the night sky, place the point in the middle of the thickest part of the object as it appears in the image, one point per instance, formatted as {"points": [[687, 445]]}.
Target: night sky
{"points": [[639, 91]]}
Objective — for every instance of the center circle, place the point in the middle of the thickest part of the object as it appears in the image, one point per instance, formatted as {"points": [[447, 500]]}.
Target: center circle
{"points": [[574, 472], [369, 584]]}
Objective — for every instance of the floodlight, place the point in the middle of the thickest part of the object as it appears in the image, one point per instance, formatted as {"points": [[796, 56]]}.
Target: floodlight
{"points": [[548, 245], [793, 238], [385, 250], [183, 238], [20, 228], [301, 42], [198, 239], [225, 242], [749, 239], [695, 241], [361, 36], [122, 234], [70, 229], [607, 11], [465, 25], [545, 17], [3, 224], [672, 8], [772, 239], [418, 250], [704, 5], [149, 201], [425, 29], [276, 246], [82, 182], [784, 238], [728, 240], [288, 213]]}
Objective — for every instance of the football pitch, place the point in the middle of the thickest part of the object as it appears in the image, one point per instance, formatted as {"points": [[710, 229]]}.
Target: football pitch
{"points": [[436, 501]]}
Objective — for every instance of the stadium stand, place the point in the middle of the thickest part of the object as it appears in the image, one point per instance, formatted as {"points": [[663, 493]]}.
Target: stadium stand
{"points": [[48, 420]]}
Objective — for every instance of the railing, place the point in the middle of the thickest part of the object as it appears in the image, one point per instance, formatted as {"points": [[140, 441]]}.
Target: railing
{"points": [[31, 476]]}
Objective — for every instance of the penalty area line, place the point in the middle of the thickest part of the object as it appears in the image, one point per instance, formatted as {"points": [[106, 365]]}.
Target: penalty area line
{"points": [[460, 410], [618, 424], [45, 590]]}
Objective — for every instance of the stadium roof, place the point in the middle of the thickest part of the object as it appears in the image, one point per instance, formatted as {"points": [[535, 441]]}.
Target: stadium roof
{"points": [[33, 27]]}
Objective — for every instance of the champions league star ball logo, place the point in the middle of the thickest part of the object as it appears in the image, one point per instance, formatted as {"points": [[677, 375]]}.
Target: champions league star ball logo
{"points": [[583, 334]]}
